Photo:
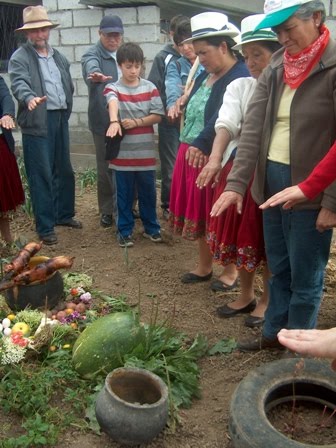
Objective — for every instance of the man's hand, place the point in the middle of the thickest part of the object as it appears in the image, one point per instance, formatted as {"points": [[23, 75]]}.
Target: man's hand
{"points": [[325, 220], [34, 102], [225, 200], [195, 157], [98, 77]]}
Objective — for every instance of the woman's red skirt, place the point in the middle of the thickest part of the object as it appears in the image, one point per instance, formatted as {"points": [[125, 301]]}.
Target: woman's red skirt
{"points": [[235, 238], [11, 191], [189, 206]]}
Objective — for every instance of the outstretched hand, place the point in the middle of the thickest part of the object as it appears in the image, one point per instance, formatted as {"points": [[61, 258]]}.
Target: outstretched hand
{"points": [[98, 77], [210, 172], [225, 200], [195, 157], [7, 122], [34, 102], [320, 343], [290, 196]]}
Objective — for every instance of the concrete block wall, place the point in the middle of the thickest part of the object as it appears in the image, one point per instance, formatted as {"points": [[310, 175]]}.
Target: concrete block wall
{"points": [[78, 30]]}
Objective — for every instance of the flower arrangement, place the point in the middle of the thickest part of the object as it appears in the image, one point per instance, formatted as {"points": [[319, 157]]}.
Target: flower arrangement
{"points": [[13, 348]]}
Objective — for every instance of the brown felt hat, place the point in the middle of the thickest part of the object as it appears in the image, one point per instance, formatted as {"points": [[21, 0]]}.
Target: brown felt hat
{"points": [[36, 17]]}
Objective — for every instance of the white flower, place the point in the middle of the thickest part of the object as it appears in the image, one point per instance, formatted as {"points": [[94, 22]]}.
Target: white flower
{"points": [[11, 353]]}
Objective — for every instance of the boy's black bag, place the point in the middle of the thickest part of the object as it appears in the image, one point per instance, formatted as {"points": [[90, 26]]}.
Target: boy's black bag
{"points": [[112, 146]]}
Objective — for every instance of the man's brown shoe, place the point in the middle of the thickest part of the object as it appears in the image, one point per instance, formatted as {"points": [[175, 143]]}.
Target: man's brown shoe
{"points": [[259, 343]]}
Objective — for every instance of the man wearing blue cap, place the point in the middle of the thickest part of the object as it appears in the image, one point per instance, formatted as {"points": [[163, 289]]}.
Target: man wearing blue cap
{"points": [[99, 66]]}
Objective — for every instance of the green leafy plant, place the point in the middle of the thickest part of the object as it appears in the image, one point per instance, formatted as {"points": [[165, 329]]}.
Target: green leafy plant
{"points": [[30, 317], [87, 178], [224, 346]]}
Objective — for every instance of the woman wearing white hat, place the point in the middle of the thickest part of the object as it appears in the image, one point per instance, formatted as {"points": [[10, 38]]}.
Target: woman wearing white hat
{"points": [[212, 37], [289, 127], [236, 238]]}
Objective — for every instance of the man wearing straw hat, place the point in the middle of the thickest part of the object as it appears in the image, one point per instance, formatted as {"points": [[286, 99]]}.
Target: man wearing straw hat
{"points": [[41, 83]]}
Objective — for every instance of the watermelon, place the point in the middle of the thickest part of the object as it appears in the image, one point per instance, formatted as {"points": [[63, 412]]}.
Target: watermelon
{"points": [[100, 347]]}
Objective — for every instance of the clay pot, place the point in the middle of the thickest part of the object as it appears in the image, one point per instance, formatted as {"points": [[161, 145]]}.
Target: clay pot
{"points": [[44, 295], [132, 408]]}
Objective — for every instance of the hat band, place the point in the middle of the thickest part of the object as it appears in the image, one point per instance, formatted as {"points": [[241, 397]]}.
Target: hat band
{"points": [[37, 21], [260, 34], [202, 31]]}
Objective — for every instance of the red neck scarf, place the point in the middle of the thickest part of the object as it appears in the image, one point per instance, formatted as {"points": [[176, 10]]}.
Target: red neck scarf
{"points": [[298, 67]]}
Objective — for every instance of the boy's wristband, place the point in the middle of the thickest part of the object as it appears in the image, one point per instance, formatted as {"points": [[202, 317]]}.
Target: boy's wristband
{"points": [[114, 121]]}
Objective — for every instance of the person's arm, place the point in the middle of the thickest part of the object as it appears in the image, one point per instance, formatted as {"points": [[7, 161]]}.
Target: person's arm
{"points": [[228, 127], [92, 69], [18, 70], [322, 175], [173, 84], [6, 100]]}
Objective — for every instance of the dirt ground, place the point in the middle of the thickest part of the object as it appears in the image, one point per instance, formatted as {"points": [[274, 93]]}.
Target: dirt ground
{"points": [[155, 270]]}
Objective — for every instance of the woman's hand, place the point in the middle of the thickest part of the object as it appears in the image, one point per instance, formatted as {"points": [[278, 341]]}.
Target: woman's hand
{"points": [[7, 122], [290, 196], [225, 200], [211, 171], [114, 129], [195, 157]]}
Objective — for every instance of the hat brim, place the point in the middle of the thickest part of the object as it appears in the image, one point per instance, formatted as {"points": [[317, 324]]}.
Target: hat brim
{"points": [[255, 36], [112, 30], [34, 26], [277, 18], [228, 32]]}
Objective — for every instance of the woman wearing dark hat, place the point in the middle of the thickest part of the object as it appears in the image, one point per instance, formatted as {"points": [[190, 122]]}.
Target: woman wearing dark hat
{"points": [[212, 37], [11, 192], [237, 238], [290, 126]]}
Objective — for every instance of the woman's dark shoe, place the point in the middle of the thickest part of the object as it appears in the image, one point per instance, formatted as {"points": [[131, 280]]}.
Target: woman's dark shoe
{"points": [[259, 343], [218, 285], [254, 321], [189, 277], [226, 311]]}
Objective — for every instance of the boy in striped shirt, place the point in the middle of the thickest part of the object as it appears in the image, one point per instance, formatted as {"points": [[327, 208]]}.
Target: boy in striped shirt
{"points": [[135, 105]]}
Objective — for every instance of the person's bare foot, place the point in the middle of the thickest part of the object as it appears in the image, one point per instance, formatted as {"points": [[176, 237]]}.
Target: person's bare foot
{"points": [[259, 310]]}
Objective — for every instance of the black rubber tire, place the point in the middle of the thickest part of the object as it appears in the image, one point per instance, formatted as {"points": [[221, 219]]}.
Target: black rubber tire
{"points": [[249, 426]]}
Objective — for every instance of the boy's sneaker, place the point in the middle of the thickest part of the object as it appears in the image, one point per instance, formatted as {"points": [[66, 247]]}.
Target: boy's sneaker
{"points": [[156, 237], [125, 241]]}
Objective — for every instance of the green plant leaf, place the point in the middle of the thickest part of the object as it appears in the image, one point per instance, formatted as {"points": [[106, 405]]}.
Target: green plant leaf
{"points": [[224, 346]]}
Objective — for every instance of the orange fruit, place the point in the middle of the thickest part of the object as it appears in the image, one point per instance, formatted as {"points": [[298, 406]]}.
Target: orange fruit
{"points": [[69, 311]]}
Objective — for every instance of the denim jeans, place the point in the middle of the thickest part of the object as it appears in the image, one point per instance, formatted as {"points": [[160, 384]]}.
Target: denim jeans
{"points": [[297, 255], [50, 175], [144, 183], [169, 141]]}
